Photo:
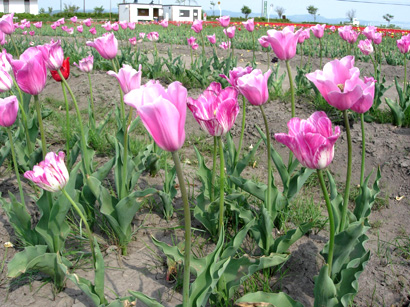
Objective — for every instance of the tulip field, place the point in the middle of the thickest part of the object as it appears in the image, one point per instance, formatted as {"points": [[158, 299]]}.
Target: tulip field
{"points": [[209, 163]]}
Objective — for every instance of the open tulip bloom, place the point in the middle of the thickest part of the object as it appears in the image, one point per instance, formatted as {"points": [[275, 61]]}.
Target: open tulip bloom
{"points": [[86, 64], [224, 21], [128, 78], [236, 73], [53, 54], [284, 42], [216, 109], [106, 45]]}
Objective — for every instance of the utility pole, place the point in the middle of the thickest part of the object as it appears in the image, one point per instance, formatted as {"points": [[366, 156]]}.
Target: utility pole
{"points": [[84, 6], [61, 6], [262, 9]]}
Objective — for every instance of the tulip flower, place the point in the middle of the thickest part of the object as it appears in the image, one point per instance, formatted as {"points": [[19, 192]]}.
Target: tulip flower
{"points": [[54, 26], [224, 21], [8, 111], [318, 30], [366, 46], [106, 45], [80, 28], [30, 71], [162, 112], [164, 23], [264, 41], [366, 101], [24, 32], [191, 40], [4, 61], [249, 25], [64, 28], [225, 45], [51, 174], [338, 83], [153, 36], [115, 26], [53, 54], [216, 109], [6, 82], [347, 34], [131, 25], [235, 74], [86, 64], [2, 38], [38, 25], [142, 35], [230, 32], [124, 24], [254, 86], [87, 22], [284, 42], [73, 19], [61, 21], [128, 78], [65, 71], [305, 34], [211, 38], [93, 31], [197, 26], [107, 26], [332, 28], [133, 40], [377, 38], [369, 32], [311, 141], [6, 24], [403, 44]]}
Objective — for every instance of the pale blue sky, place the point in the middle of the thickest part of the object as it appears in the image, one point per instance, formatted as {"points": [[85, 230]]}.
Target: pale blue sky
{"points": [[327, 8]]}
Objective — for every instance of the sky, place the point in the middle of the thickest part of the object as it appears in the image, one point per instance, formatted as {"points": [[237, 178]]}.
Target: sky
{"points": [[326, 8]]}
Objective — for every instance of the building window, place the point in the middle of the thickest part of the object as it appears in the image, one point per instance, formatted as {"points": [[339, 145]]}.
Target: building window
{"points": [[183, 13], [6, 6], [27, 6], [143, 12]]}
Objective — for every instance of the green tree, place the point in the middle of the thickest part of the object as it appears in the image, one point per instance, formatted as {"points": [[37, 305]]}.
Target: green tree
{"points": [[312, 10], [50, 9], [246, 11], [99, 10], [388, 18], [351, 14], [280, 11], [70, 8], [42, 11]]}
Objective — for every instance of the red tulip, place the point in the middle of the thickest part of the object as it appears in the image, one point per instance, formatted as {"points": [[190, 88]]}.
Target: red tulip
{"points": [[65, 71]]}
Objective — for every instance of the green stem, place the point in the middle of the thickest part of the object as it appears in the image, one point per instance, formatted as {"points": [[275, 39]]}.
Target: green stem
{"points": [[114, 66], [268, 200], [124, 188], [13, 154], [91, 98], [68, 128], [374, 65], [268, 59], [84, 160], [348, 174], [331, 220], [212, 196], [292, 88], [122, 108], [238, 152], [187, 222], [40, 124], [87, 227], [15, 46], [23, 114], [233, 52], [192, 58], [320, 51], [203, 44], [221, 185], [253, 47], [301, 56], [363, 149], [405, 75]]}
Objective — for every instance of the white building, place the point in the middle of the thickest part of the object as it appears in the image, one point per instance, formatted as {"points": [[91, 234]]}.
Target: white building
{"points": [[19, 6], [135, 12], [182, 12]]}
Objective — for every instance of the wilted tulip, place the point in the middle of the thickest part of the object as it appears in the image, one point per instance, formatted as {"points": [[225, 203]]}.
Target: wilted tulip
{"points": [[311, 141], [51, 174], [9, 108]]}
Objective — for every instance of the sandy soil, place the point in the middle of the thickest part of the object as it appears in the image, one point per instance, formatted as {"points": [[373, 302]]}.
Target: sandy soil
{"points": [[385, 281]]}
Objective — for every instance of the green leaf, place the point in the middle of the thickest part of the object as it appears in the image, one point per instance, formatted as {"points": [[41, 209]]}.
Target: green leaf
{"points": [[272, 299], [282, 244], [325, 291], [365, 200], [149, 301], [204, 173]]}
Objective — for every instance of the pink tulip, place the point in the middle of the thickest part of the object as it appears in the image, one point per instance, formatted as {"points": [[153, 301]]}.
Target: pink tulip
{"points": [[249, 25], [9, 108], [80, 28], [197, 26], [224, 21], [164, 23], [6, 24], [191, 40], [311, 141], [128, 78], [347, 34], [194, 46], [211, 38], [54, 26], [31, 33], [93, 31], [73, 19], [131, 25], [70, 30], [264, 41], [162, 112], [284, 42], [38, 25], [124, 24], [2, 38], [225, 45], [153, 36], [254, 86], [24, 32], [30, 71], [61, 21], [64, 28], [106, 45], [86, 64], [53, 55], [6, 82], [4, 61], [369, 32], [142, 35], [366, 101], [236, 73], [230, 32], [87, 22], [366, 47], [27, 24], [51, 174], [403, 44], [115, 26], [216, 109], [107, 26], [304, 35], [332, 28], [133, 40], [377, 38], [339, 83], [318, 30]]}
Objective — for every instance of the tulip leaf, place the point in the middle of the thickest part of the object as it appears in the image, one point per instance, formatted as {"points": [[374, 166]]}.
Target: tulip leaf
{"points": [[237, 203], [148, 301], [207, 213], [366, 198], [244, 162], [264, 299], [204, 174], [255, 189], [325, 290], [282, 244]]}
